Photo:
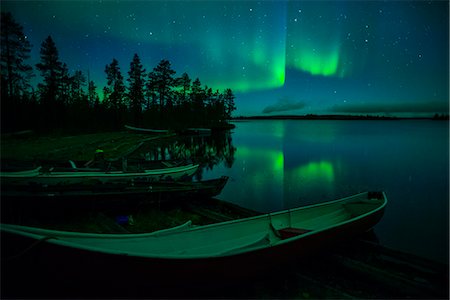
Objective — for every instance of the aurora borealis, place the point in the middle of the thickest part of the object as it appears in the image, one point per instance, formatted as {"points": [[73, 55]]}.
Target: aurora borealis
{"points": [[303, 57]]}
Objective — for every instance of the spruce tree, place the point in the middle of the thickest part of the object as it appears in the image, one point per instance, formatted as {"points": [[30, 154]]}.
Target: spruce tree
{"points": [[52, 101], [115, 90], [151, 91], [15, 49], [197, 95], [77, 83], [66, 82], [185, 83], [92, 93], [230, 106], [115, 93], [164, 81], [136, 88], [51, 70]]}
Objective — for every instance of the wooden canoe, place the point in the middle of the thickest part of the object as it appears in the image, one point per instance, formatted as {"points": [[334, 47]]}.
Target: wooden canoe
{"points": [[223, 251], [20, 174], [150, 190], [145, 130], [79, 176]]}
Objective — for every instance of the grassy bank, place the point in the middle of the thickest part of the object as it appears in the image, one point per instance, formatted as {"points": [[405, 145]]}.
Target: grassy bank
{"points": [[76, 147]]}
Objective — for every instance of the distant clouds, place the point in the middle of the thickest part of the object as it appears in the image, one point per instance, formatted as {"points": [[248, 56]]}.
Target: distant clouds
{"points": [[283, 104], [394, 107]]}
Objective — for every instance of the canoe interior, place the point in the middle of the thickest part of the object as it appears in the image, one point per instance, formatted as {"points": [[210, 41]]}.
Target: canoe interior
{"points": [[221, 239]]}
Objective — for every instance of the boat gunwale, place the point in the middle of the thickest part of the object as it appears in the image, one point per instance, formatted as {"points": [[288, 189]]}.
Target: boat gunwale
{"points": [[21, 174], [160, 171], [147, 130], [55, 240], [149, 188]]}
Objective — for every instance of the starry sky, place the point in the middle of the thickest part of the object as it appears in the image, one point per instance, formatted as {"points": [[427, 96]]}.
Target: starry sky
{"points": [[279, 57]]}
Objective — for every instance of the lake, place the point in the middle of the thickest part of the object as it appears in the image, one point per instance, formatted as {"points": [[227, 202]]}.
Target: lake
{"points": [[280, 164]]}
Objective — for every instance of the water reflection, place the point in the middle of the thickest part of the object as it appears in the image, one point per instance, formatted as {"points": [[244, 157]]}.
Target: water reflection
{"points": [[307, 179], [207, 151], [316, 171], [280, 165], [255, 178]]}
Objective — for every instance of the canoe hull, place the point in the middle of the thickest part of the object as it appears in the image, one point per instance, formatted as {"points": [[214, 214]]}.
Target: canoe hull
{"points": [[145, 130], [49, 262], [159, 190], [67, 178]]}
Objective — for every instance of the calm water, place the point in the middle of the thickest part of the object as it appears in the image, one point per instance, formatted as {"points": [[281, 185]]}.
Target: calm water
{"points": [[285, 164]]}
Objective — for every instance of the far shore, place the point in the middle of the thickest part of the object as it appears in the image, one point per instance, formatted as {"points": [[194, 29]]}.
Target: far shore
{"points": [[338, 117]]}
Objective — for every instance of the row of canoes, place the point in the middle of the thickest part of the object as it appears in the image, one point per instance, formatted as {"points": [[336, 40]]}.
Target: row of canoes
{"points": [[171, 179]]}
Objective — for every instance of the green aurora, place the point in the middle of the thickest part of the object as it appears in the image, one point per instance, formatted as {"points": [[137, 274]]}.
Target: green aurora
{"points": [[321, 54]]}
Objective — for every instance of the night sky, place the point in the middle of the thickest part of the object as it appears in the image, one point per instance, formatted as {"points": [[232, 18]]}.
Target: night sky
{"points": [[278, 57]]}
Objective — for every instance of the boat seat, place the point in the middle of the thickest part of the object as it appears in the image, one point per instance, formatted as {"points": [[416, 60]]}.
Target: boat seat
{"points": [[286, 233]]}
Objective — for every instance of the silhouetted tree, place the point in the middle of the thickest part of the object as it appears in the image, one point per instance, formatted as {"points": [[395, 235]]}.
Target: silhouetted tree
{"points": [[115, 86], [228, 98], [66, 83], [114, 93], [216, 108], [78, 81], [185, 83], [92, 94], [164, 82], [15, 49], [197, 95], [16, 92], [136, 88], [51, 70], [151, 91]]}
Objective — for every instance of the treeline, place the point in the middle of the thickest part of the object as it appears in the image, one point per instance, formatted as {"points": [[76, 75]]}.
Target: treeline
{"points": [[70, 102]]}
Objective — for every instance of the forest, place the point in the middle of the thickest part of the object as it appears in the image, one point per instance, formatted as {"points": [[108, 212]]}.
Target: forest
{"points": [[70, 102]]}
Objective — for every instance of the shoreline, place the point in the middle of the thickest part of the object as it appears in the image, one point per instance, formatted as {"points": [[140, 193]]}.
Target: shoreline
{"points": [[338, 117]]}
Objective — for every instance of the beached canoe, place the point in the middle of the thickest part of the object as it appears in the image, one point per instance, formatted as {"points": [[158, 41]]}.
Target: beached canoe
{"points": [[79, 176], [21, 174], [223, 251], [160, 190], [145, 130]]}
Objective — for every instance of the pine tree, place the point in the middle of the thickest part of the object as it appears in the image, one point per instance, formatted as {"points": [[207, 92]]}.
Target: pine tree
{"points": [[51, 70], [197, 95], [151, 91], [136, 88], [15, 49], [92, 93], [51, 98], [185, 83], [164, 81], [66, 82], [77, 83], [115, 91], [228, 98]]}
